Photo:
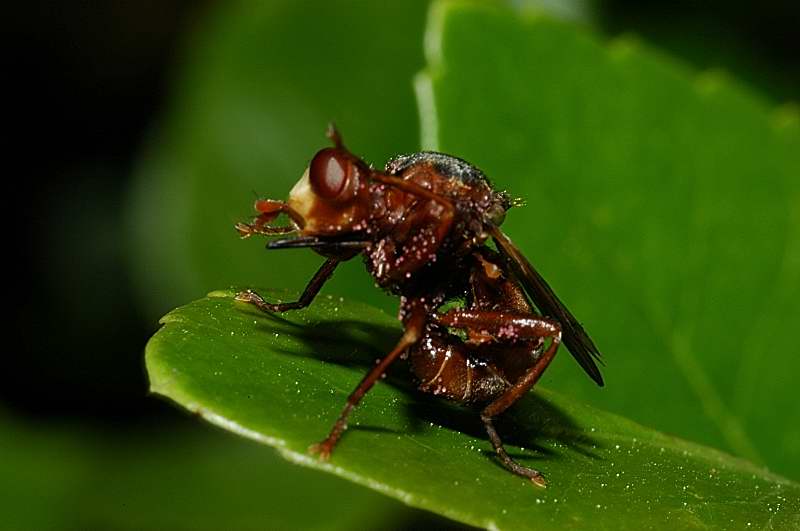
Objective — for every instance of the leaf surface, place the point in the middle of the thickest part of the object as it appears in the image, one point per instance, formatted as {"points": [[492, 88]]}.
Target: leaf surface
{"points": [[282, 380]]}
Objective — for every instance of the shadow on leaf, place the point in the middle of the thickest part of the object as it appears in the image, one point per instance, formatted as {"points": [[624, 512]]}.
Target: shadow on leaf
{"points": [[353, 343], [528, 424], [345, 342]]}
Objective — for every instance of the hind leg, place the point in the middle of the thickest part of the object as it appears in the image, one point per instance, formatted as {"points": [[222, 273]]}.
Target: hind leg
{"points": [[505, 401], [509, 327]]}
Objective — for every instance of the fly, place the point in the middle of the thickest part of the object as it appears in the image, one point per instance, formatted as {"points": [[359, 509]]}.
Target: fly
{"points": [[422, 226]]}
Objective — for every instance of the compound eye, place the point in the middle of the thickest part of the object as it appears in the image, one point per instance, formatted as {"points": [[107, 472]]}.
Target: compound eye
{"points": [[328, 172]]}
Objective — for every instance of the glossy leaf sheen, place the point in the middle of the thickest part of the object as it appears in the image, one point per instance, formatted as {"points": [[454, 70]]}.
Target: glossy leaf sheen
{"points": [[662, 205], [282, 380]]}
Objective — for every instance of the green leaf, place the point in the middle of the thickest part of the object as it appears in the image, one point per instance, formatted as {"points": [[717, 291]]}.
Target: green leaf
{"points": [[663, 206], [177, 478], [261, 82], [282, 380]]}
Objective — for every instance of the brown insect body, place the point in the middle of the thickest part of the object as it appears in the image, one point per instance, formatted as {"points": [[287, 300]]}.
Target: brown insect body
{"points": [[422, 226], [476, 369]]}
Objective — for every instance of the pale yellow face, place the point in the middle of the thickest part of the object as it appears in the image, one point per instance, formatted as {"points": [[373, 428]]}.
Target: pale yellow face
{"points": [[302, 198]]}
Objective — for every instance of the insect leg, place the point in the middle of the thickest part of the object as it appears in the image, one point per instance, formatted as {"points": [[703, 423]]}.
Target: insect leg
{"points": [[415, 189], [259, 226], [413, 331], [270, 209], [504, 326], [401, 266], [312, 289]]}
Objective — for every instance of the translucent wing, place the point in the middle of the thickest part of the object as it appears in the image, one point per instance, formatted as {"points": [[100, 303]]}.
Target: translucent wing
{"points": [[574, 336]]}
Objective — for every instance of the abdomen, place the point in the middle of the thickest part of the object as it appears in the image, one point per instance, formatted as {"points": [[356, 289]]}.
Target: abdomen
{"points": [[444, 365]]}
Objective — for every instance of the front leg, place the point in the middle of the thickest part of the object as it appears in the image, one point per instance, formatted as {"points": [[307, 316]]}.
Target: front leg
{"points": [[509, 327], [268, 210], [438, 217], [312, 289]]}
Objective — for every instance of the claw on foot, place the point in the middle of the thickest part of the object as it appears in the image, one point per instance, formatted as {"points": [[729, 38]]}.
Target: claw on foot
{"points": [[539, 481], [251, 297], [248, 296], [323, 449], [244, 230]]}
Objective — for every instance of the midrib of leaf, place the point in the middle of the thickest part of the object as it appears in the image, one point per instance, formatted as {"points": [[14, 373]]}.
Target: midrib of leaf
{"points": [[754, 347], [678, 336], [713, 406], [685, 333], [753, 344]]}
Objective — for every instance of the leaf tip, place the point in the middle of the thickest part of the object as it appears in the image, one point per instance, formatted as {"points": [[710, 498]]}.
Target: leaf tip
{"points": [[171, 317], [222, 294]]}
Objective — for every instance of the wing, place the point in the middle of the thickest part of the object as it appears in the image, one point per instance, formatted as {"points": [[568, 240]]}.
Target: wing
{"points": [[575, 337]]}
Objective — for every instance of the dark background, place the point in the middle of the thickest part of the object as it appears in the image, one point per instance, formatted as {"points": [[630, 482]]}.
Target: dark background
{"points": [[91, 79], [88, 81]]}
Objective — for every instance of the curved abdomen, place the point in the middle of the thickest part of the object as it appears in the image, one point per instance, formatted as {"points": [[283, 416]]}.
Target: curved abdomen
{"points": [[446, 366]]}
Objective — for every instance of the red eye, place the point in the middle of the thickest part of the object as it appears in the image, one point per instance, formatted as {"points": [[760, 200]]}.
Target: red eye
{"points": [[329, 172]]}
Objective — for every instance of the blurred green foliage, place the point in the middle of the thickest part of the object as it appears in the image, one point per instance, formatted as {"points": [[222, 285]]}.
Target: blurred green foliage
{"points": [[282, 380], [251, 111], [73, 477], [662, 205]]}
